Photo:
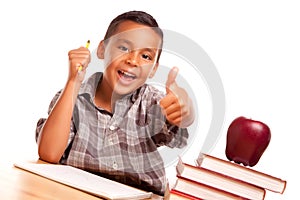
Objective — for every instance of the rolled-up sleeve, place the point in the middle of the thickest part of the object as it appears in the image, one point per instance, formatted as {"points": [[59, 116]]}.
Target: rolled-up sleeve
{"points": [[171, 136], [42, 121], [179, 136]]}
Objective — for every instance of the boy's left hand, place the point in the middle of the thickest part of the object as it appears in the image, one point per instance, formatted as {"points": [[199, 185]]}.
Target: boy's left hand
{"points": [[176, 105]]}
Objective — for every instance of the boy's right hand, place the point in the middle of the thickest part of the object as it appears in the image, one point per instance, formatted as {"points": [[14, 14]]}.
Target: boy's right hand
{"points": [[78, 57]]}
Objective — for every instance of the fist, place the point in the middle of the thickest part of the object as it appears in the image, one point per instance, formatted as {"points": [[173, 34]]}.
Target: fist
{"points": [[78, 58]]}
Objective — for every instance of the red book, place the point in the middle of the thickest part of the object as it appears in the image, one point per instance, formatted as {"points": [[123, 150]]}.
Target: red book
{"points": [[196, 190], [241, 172], [177, 195], [220, 181]]}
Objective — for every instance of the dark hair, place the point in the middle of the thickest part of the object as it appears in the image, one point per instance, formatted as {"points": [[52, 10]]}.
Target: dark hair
{"points": [[140, 17]]}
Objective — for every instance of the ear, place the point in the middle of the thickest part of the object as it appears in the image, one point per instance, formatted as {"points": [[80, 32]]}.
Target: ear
{"points": [[152, 73], [100, 50]]}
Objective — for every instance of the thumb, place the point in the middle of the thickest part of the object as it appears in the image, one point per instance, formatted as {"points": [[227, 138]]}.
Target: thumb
{"points": [[171, 78]]}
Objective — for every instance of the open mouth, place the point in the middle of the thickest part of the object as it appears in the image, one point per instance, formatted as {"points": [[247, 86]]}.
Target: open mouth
{"points": [[126, 75]]}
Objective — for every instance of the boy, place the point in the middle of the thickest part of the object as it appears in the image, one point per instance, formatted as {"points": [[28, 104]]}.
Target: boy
{"points": [[112, 124]]}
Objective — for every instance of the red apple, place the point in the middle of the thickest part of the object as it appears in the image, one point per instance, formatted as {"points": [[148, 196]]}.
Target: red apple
{"points": [[247, 139]]}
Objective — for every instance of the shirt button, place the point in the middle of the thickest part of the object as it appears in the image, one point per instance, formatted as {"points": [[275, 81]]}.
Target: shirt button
{"points": [[115, 166], [112, 127]]}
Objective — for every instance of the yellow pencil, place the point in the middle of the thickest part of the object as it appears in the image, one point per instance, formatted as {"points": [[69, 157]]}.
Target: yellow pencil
{"points": [[86, 46]]}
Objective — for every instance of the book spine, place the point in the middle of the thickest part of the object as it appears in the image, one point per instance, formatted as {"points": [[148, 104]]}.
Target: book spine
{"points": [[184, 195], [214, 189]]}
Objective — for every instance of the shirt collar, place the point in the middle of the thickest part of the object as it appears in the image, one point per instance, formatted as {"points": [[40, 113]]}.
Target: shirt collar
{"points": [[90, 86], [133, 96]]}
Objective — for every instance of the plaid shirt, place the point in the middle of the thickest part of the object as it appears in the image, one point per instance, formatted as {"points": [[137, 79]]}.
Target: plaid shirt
{"points": [[121, 146]]}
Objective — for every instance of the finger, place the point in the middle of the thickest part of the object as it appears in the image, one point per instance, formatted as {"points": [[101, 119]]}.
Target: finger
{"points": [[168, 100], [79, 55], [173, 108], [175, 118], [79, 50], [177, 121], [171, 78], [79, 58]]}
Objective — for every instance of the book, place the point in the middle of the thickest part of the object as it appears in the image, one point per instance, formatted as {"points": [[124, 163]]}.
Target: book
{"points": [[241, 172], [85, 181], [177, 195], [220, 181], [195, 190]]}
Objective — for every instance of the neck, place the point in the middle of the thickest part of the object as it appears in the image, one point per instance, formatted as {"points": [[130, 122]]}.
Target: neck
{"points": [[104, 97]]}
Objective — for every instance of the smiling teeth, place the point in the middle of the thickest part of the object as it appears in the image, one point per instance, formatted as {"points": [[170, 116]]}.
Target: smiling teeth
{"points": [[127, 74]]}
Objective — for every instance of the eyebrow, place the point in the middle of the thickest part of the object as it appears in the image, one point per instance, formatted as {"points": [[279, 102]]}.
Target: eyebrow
{"points": [[124, 40]]}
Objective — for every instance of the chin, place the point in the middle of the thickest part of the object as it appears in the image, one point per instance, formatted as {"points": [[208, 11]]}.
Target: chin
{"points": [[122, 91]]}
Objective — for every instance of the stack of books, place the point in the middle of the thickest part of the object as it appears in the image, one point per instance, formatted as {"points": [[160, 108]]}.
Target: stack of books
{"points": [[213, 178]]}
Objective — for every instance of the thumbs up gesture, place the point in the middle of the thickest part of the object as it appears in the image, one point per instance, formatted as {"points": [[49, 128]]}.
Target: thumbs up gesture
{"points": [[176, 105]]}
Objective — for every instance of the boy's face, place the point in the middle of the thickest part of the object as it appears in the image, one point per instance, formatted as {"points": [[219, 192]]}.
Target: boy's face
{"points": [[130, 56]]}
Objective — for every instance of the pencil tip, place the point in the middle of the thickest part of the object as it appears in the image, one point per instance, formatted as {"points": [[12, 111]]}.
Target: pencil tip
{"points": [[87, 44]]}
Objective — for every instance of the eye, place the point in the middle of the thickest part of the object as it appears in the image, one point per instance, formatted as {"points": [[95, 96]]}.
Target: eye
{"points": [[123, 48], [147, 57]]}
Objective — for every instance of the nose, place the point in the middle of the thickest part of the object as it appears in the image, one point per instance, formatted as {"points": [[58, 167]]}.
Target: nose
{"points": [[132, 59]]}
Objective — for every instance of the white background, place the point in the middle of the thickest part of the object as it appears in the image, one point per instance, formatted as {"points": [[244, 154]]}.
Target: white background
{"points": [[255, 46]]}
